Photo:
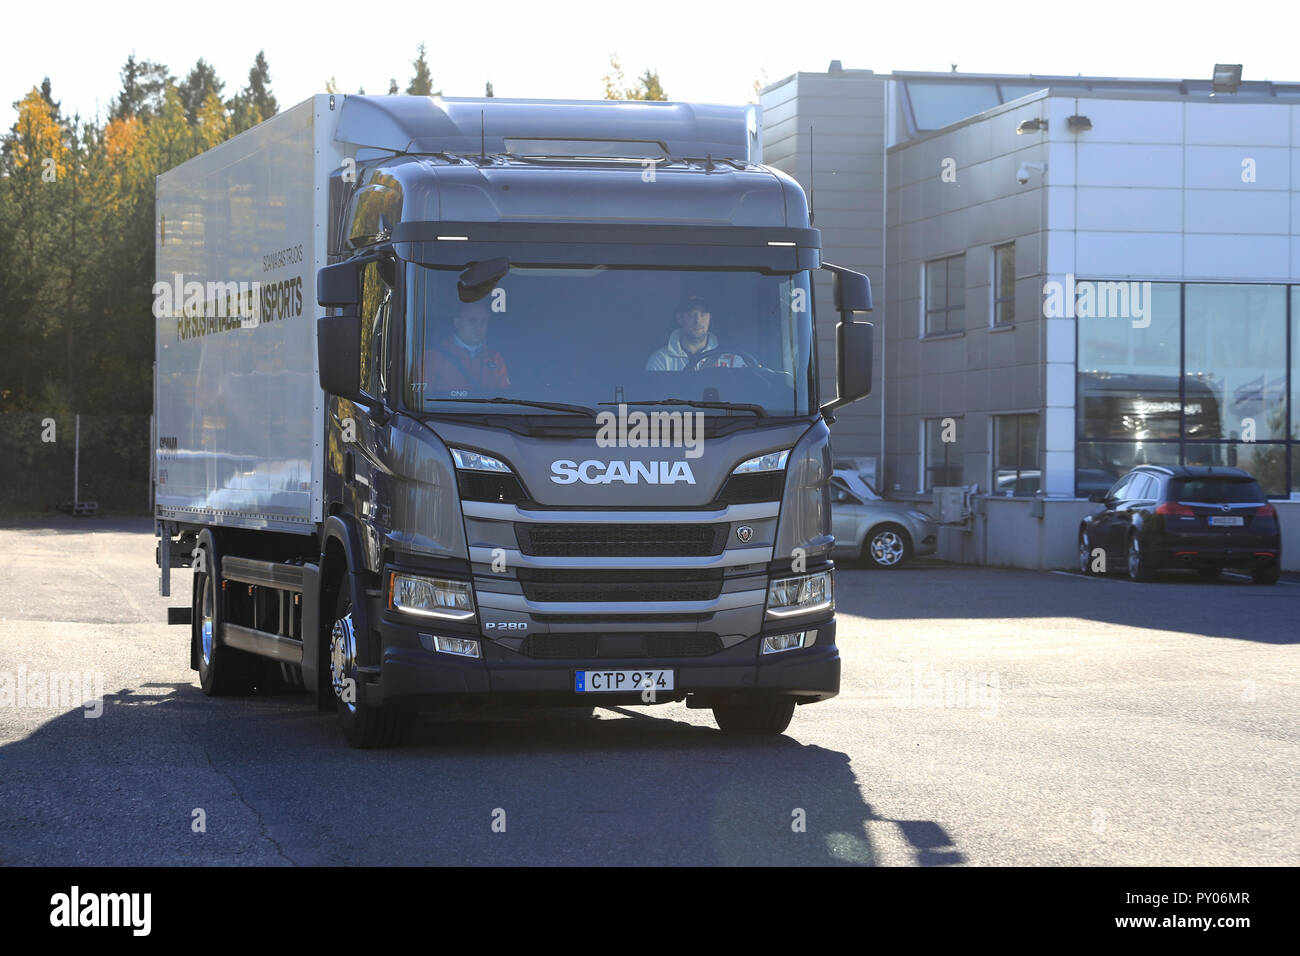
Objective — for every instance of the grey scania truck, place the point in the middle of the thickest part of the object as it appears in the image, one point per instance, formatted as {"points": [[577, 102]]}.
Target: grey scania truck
{"points": [[499, 401]]}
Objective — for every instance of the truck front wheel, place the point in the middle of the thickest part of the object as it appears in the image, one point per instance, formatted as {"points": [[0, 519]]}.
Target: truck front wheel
{"points": [[364, 725], [762, 717]]}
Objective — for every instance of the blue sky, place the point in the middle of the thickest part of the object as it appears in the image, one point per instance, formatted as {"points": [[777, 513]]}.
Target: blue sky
{"points": [[706, 52]]}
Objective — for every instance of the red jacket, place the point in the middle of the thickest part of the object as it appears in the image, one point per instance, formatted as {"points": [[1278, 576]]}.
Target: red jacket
{"points": [[450, 368]]}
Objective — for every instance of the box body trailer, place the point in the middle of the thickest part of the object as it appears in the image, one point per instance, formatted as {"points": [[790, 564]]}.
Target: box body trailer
{"points": [[466, 401]]}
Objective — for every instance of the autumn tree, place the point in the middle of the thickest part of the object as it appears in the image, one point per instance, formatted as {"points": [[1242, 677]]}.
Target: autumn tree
{"points": [[647, 85]]}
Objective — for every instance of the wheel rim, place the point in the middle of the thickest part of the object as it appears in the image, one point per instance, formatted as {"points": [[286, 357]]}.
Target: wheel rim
{"points": [[887, 548], [1085, 552], [207, 623], [1134, 557], [343, 646]]}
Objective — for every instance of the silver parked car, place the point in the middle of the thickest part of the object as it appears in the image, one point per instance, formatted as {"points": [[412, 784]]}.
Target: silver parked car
{"points": [[880, 533]]}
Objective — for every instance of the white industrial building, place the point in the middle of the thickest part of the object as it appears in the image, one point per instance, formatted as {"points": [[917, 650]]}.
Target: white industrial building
{"points": [[1073, 275]]}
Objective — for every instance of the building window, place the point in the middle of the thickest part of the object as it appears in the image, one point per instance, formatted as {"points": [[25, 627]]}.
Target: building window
{"points": [[945, 295], [942, 453], [1004, 284], [1198, 377], [1015, 455]]}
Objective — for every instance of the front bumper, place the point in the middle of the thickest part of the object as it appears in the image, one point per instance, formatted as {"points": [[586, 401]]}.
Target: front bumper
{"points": [[411, 674]]}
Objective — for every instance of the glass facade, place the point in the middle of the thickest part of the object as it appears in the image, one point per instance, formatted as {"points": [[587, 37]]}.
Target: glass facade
{"points": [[1203, 378]]}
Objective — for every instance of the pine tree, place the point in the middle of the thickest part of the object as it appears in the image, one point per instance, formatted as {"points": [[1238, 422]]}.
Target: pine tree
{"points": [[201, 83], [422, 82]]}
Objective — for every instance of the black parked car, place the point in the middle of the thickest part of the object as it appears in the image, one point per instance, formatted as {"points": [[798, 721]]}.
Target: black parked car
{"points": [[1184, 517]]}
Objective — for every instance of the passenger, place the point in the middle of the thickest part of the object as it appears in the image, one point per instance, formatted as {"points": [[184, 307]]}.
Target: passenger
{"points": [[463, 361], [689, 339]]}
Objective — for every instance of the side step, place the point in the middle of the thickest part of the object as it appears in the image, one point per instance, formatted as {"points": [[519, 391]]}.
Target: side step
{"points": [[270, 574], [262, 643]]}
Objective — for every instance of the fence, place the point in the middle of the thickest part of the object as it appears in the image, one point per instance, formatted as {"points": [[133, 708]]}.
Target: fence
{"points": [[38, 458]]}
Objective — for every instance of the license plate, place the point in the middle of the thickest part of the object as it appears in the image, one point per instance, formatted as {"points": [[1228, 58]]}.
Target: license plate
{"points": [[627, 682], [1232, 521]]}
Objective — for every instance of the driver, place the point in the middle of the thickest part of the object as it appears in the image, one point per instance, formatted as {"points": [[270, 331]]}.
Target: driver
{"points": [[463, 361], [689, 339]]}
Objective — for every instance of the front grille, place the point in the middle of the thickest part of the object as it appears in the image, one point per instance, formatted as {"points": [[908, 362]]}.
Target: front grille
{"points": [[619, 646], [749, 489], [540, 584], [621, 540]]}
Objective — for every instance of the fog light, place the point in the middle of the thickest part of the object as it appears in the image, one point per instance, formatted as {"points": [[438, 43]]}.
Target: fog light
{"points": [[776, 643], [455, 645]]}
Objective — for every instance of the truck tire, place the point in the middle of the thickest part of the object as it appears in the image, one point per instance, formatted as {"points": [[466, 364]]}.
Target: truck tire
{"points": [[223, 671], [766, 717], [365, 725]]}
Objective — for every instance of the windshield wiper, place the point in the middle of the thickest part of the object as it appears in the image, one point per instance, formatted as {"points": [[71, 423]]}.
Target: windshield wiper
{"points": [[743, 406], [553, 406]]}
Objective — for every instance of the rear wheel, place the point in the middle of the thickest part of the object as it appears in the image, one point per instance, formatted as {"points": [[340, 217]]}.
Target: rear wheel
{"points": [[1139, 566], [1268, 574], [762, 717], [223, 671], [364, 725], [886, 547]]}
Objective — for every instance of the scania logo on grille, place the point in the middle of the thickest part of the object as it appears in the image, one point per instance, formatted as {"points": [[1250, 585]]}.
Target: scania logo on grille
{"points": [[744, 533]]}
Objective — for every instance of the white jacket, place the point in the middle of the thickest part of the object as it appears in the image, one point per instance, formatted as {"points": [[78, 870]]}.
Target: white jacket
{"points": [[672, 357]]}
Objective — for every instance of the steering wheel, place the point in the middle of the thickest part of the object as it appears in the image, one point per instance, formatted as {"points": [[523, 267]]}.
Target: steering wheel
{"points": [[698, 362]]}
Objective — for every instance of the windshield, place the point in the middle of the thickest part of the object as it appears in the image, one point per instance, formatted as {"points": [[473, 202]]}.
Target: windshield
{"points": [[735, 342]]}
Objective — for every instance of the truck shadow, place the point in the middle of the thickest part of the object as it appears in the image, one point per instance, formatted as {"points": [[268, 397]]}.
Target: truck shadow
{"points": [[278, 785]]}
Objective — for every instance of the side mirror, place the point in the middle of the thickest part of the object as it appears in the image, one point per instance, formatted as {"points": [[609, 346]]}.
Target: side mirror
{"points": [[1098, 497], [338, 353], [339, 286], [851, 291], [852, 363]]}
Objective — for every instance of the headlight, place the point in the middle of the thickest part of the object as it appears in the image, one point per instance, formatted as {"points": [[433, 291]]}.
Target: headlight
{"points": [[431, 597], [772, 461], [804, 594], [473, 461]]}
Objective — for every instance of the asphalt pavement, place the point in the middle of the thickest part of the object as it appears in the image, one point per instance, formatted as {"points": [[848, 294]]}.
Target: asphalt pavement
{"points": [[986, 717]]}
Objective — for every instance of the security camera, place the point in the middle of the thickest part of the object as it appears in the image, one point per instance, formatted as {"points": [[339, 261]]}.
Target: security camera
{"points": [[1022, 174]]}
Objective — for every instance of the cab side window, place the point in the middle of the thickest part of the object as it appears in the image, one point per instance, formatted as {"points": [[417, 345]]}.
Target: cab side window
{"points": [[376, 304]]}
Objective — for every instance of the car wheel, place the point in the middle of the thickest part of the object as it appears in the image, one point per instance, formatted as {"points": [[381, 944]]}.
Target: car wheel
{"points": [[1139, 566], [1268, 574], [1085, 554], [364, 725], [765, 718], [886, 547], [1209, 573]]}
